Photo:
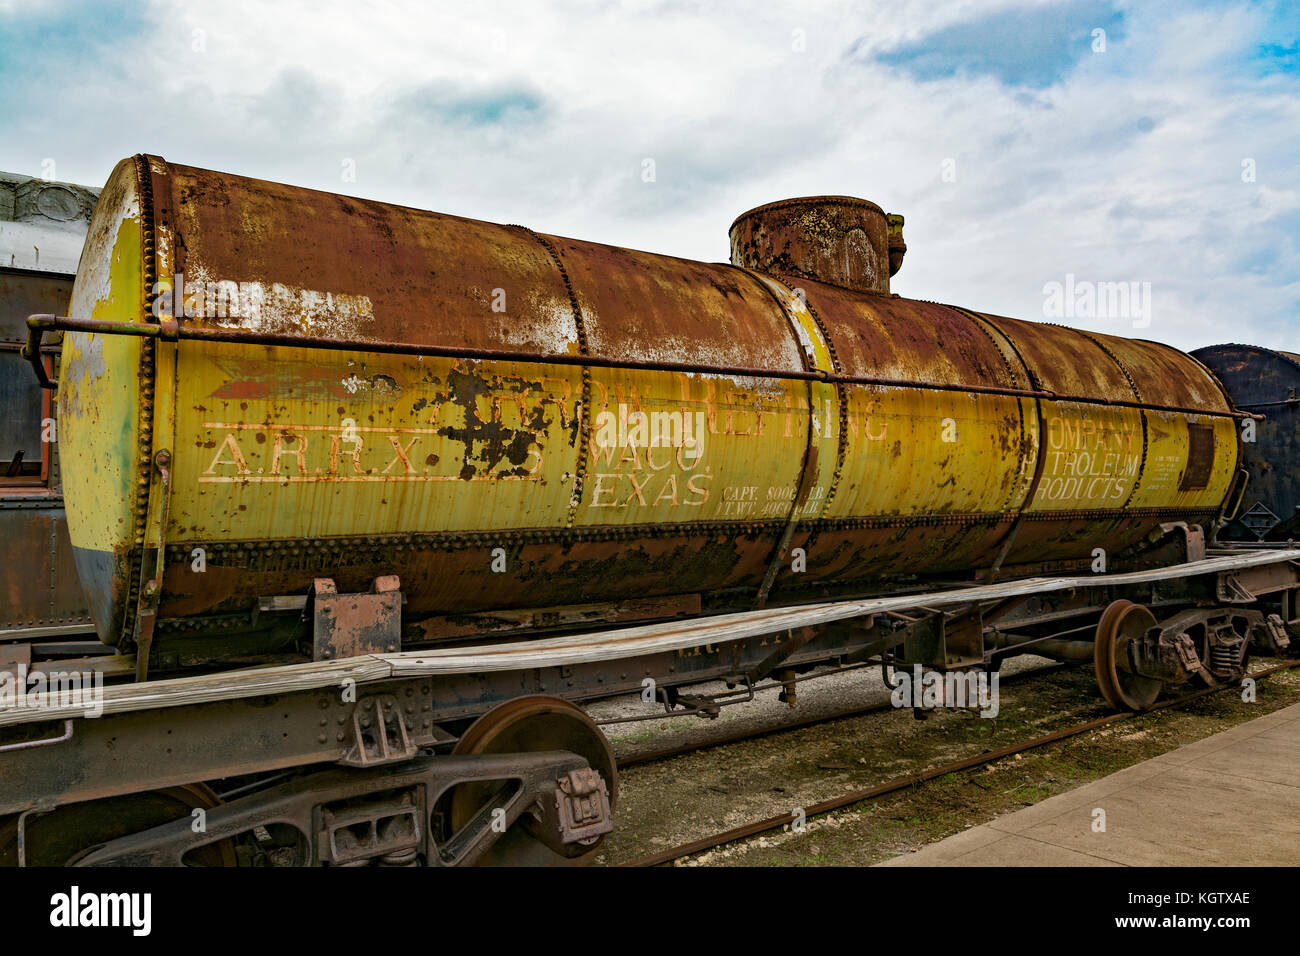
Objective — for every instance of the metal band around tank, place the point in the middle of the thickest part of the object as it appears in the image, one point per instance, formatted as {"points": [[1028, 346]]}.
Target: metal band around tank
{"points": [[1137, 393], [584, 405], [145, 182], [1035, 480], [818, 357], [156, 444]]}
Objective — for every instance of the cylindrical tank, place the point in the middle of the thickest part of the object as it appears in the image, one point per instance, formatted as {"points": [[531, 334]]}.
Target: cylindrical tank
{"points": [[633, 425], [1265, 382]]}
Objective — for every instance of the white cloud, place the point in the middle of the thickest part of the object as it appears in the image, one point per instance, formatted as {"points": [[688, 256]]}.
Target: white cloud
{"points": [[1128, 168]]}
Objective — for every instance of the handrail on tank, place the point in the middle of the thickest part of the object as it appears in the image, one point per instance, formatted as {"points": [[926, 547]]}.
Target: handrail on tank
{"points": [[36, 329], [169, 330]]}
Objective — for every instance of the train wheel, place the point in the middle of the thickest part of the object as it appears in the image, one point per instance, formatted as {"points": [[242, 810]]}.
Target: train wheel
{"points": [[1120, 623], [67, 833], [530, 725]]}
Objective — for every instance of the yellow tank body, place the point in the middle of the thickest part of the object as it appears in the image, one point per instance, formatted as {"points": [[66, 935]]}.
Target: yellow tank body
{"points": [[509, 420]]}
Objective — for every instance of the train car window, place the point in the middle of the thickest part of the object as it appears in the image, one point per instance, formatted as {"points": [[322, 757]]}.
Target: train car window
{"points": [[22, 451]]}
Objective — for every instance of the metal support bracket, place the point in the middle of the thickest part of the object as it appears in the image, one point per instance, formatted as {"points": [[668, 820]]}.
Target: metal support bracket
{"points": [[946, 640], [348, 625], [379, 733]]}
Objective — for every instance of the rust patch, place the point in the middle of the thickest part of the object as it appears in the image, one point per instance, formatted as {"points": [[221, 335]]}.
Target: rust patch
{"points": [[488, 442]]}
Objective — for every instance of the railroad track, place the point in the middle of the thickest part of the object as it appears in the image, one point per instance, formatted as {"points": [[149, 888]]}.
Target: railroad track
{"points": [[755, 827]]}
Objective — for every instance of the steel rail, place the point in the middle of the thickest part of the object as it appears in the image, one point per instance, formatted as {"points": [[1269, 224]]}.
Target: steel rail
{"points": [[911, 780]]}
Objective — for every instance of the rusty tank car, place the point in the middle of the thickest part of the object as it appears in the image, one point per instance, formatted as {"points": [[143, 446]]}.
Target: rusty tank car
{"points": [[1265, 381], [358, 389], [473, 475]]}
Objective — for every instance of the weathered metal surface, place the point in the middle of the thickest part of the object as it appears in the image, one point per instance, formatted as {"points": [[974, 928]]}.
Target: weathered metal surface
{"points": [[837, 239], [273, 718], [571, 822], [345, 818], [104, 403], [380, 732], [1255, 574], [38, 579], [345, 625], [583, 461], [1265, 381], [580, 810], [23, 293], [345, 266], [41, 229], [537, 620]]}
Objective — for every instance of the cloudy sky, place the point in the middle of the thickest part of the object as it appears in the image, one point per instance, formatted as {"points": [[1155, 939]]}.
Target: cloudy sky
{"points": [[1024, 141]]}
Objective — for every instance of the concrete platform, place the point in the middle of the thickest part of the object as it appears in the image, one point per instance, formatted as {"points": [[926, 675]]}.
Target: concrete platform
{"points": [[1228, 800]]}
